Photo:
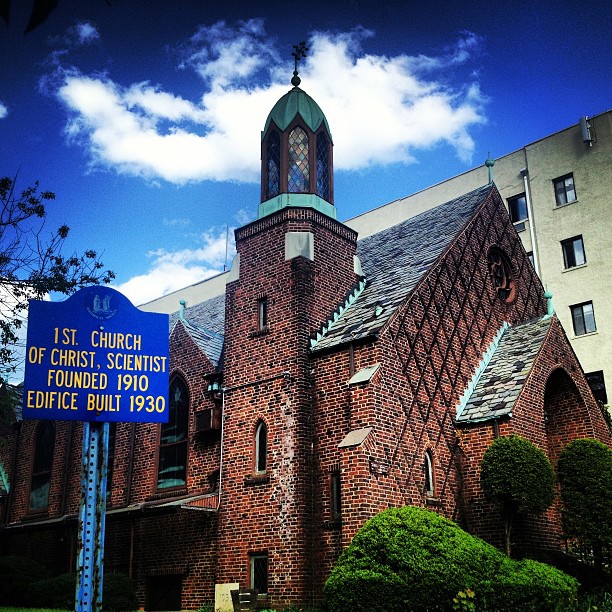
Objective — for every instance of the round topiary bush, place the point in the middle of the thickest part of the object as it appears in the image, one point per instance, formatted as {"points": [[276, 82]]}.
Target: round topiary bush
{"points": [[518, 477], [584, 470], [413, 559]]}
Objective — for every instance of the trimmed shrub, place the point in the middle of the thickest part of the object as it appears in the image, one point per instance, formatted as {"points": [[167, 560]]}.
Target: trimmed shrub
{"points": [[585, 477], [518, 477], [119, 593], [59, 593], [413, 559], [17, 574]]}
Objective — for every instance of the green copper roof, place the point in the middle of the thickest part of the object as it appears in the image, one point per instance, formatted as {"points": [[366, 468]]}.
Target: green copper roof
{"points": [[294, 102]]}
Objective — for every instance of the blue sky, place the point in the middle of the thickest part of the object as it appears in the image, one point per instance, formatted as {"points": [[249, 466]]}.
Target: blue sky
{"points": [[145, 117]]}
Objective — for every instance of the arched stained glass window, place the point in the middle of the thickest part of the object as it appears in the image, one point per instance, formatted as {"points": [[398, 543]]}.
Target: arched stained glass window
{"points": [[42, 466], [172, 469], [323, 166], [298, 177], [273, 165], [261, 448]]}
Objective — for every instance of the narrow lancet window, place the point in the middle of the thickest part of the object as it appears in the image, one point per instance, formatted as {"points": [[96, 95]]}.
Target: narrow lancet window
{"points": [[273, 165], [261, 448], [323, 166], [298, 177], [429, 474]]}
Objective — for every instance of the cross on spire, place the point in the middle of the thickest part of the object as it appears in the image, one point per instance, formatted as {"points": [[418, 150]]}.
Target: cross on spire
{"points": [[299, 52]]}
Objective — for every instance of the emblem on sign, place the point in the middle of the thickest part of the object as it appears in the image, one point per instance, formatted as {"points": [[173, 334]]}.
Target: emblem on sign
{"points": [[100, 305]]}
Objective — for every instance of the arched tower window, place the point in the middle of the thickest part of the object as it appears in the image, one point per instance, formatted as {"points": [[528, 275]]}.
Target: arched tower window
{"points": [[323, 174], [429, 474], [42, 466], [261, 448], [298, 173], [172, 468], [273, 165]]}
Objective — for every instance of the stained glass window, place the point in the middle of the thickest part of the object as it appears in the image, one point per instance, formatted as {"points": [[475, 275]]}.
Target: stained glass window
{"points": [[323, 166], [41, 468], [172, 470], [298, 177], [273, 165]]}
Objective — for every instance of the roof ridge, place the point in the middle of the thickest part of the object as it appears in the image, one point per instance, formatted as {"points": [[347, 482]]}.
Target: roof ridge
{"points": [[482, 366]]}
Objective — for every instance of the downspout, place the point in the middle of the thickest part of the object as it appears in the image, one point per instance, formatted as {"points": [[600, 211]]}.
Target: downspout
{"points": [[66, 467], [130, 469], [534, 245], [221, 451], [9, 499]]}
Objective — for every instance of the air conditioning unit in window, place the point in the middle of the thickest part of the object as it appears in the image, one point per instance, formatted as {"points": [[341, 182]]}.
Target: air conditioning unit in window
{"points": [[208, 420]]}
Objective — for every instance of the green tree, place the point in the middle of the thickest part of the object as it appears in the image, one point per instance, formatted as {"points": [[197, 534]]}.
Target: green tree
{"points": [[32, 264], [517, 476], [584, 471]]}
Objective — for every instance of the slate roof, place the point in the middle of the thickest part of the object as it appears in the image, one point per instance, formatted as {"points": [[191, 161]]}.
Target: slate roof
{"points": [[393, 262], [205, 322], [501, 381]]}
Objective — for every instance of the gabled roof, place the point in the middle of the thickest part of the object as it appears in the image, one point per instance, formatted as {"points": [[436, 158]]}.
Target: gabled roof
{"points": [[393, 262], [502, 379], [201, 322]]}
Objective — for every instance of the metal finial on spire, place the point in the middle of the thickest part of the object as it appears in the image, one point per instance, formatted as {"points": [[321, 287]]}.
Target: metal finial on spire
{"points": [[489, 164], [299, 52]]}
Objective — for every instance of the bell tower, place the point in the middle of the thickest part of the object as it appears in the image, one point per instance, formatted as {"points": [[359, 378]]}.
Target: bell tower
{"points": [[296, 153], [295, 264]]}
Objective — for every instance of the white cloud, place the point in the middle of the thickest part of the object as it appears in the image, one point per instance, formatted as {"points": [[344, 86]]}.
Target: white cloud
{"points": [[170, 271], [86, 33], [399, 104], [3, 110]]}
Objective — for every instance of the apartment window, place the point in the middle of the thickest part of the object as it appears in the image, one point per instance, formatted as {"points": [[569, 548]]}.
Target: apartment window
{"points": [[565, 190], [573, 252], [42, 466], [172, 468], [517, 206], [583, 318], [259, 572], [429, 474], [336, 499], [598, 386], [261, 448], [262, 313]]}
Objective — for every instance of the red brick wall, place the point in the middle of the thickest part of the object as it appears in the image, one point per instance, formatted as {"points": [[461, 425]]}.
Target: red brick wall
{"points": [[273, 513], [428, 353], [555, 407]]}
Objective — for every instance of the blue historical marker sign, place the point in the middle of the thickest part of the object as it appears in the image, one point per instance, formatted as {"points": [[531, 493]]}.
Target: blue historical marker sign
{"points": [[96, 357]]}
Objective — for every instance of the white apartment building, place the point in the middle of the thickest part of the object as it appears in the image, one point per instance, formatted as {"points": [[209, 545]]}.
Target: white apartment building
{"points": [[559, 194]]}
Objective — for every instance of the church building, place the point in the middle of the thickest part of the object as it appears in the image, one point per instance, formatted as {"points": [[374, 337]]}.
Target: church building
{"points": [[333, 378]]}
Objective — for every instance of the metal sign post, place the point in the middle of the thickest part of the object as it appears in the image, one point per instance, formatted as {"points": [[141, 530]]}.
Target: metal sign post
{"points": [[92, 517], [95, 358]]}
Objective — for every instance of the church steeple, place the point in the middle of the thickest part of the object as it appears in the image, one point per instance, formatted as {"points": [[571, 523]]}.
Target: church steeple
{"points": [[296, 153]]}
